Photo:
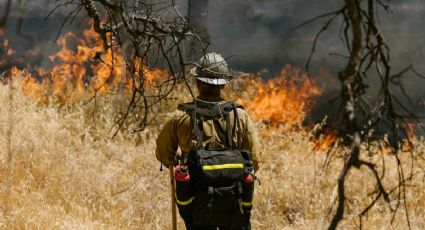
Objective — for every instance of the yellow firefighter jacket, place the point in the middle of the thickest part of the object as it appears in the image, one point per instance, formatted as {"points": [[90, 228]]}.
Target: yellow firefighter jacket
{"points": [[179, 132]]}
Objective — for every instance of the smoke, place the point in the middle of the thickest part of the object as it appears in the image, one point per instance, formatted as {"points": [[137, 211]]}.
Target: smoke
{"points": [[257, 35], [262, 34]]}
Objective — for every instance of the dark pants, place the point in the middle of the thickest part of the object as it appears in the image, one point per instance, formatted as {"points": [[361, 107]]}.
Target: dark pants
{"points": [[190, 225]]}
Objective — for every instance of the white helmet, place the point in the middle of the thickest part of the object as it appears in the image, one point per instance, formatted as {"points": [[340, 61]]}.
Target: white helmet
{"points": [[212, 69]]}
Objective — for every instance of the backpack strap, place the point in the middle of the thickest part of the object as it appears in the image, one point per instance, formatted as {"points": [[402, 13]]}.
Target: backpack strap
{"points": [[206, 110], [228, 132], [209, 110], [237, 121], [198, 127], [222, 132]]}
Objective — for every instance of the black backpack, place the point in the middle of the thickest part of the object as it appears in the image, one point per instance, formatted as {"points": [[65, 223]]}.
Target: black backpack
{"points": [[217, 173]]}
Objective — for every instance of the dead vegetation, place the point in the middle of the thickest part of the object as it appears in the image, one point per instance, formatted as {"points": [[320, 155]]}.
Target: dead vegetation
{"points": [[64, 172]]}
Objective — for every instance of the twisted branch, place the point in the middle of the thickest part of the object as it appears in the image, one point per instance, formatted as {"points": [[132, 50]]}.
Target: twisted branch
{"points": [[369, 56], [143, 34]]}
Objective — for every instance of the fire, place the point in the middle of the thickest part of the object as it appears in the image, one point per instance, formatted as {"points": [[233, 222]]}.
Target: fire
{"points": [[284, 99], [6, 52], [9, 51], [410, 128], [386, 149], [75, 72], [326, 141]]}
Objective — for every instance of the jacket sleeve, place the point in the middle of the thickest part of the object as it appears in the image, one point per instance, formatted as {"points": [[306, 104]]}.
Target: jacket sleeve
{"points": [[167, 143], [251, 141]]}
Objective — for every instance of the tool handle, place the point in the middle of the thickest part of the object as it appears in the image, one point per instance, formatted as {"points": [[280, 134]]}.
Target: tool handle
{"points": [[173, 198]]}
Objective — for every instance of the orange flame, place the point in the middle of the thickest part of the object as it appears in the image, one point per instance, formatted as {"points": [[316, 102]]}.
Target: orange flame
{"points": [[9, 51], [283, 99], [407, 145], [70, 77], [325, 141], [386, 149]]}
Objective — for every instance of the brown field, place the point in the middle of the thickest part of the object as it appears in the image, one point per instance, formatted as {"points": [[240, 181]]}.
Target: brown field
{"points": [[59, 169]]}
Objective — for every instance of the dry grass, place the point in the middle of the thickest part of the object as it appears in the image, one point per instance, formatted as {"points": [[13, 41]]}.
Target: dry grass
{"points": [[66, 173]]}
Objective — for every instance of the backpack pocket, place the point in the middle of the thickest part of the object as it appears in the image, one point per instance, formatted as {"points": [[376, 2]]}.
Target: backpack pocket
{"points": [[221, 166], [225, 198], [218, 205]]}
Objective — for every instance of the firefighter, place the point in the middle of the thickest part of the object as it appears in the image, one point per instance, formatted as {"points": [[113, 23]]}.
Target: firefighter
{"points": [[212, 74]]}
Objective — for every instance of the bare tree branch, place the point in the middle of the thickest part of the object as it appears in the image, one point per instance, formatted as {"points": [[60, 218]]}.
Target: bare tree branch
{"points": [[369, 57], [146, 35], [6, 13]]}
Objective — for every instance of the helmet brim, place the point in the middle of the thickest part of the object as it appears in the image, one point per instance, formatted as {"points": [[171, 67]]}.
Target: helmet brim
{"points": [[208, 80], [213, 81]]}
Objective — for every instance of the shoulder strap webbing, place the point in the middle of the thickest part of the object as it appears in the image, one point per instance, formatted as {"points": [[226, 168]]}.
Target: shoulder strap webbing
{"points": [[198, 127], [237, 123], [209, 110], [214, 112], [228, 132], [222, 131]]}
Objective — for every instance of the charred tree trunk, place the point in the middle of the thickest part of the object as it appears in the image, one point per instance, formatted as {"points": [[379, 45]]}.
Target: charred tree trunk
{"points": [[6, 13], [351, 91]]}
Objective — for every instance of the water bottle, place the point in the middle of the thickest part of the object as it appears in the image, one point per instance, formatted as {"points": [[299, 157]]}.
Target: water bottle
{"points": [[248, 187], [184, 194]]}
